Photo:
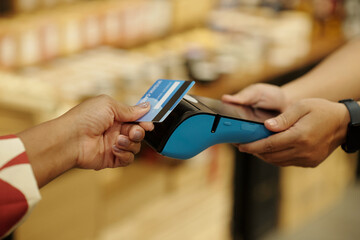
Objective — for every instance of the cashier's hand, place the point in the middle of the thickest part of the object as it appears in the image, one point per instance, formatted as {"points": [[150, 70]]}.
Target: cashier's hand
{"points": [[104, 138], [306, 133], [259, 95]]}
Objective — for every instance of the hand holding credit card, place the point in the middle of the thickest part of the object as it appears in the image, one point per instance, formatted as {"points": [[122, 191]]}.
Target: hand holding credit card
{"points": [[163, 97]]}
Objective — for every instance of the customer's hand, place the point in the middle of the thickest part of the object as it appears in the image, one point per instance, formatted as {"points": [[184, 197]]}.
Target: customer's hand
{"points": [[307, 132], [259, 95], [95, 134], [105, 139]]}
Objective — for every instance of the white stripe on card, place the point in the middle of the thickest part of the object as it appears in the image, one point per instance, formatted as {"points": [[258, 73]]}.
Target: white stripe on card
{"points": [[167, 94]]}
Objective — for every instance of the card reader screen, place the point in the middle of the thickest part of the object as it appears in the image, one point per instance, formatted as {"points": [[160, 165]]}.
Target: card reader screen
{"points": [[236, 111]]}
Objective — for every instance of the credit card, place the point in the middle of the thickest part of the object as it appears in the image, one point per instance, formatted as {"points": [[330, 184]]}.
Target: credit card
{"points": [[163, 96]]}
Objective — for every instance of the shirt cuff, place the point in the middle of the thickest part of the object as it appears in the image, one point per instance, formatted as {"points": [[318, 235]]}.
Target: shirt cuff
{"points": [[16, 173]]}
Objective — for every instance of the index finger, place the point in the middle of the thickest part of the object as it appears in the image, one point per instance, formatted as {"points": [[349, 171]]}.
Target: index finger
{"points": [[274, 143]]}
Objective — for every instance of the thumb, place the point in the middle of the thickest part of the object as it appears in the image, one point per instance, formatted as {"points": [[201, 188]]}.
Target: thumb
{"points": [[285, 120], [126, 113]]}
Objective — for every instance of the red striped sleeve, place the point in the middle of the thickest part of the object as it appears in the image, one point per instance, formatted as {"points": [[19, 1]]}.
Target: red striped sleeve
{"points": [[18, 188], [13, 207], [8, 137], [20, 159]]}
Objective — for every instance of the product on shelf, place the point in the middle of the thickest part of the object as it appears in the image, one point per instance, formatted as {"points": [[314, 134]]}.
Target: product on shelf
{"points": [[199, 54], [8, 46], [70, 28], [281, 38], [189, 13], [25, 6], [351, 24]]}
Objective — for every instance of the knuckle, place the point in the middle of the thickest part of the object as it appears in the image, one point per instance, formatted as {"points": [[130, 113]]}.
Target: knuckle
{"points": [[284, 119], [266, 158], [131, 158], [123, 164], [303, 140], [314, 162], [306, 156], [269, 146], [126, 159], [243, 148], [130, 110], [104, 97], [302, 104]]}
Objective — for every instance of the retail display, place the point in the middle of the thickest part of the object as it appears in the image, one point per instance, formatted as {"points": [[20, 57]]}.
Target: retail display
{"points": [[351, 26], [71, 28], [203, 55]]}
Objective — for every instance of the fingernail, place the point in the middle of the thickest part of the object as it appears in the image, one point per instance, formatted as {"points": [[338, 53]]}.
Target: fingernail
{"points": [[271, 122], [138, 135], [123, 141], [144, 104], [116, 149]]}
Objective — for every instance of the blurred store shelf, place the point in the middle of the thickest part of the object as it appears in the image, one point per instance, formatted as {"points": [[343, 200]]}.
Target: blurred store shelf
{"points": [[319, 49]]}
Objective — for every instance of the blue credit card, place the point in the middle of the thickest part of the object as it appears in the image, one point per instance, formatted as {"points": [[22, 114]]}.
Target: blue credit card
{"points": [[163, 96]]}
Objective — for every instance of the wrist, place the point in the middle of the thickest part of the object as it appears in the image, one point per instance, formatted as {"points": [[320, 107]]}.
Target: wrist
{"points": [[68, 140], [294, 92], [49, 147], [288, 100]]}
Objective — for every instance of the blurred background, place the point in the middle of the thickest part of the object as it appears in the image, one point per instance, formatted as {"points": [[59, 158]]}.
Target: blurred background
{"points": [[56, 53]]}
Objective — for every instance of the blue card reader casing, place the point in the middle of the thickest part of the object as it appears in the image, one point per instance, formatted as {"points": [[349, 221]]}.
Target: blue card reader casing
{"points": [[197, 123]]}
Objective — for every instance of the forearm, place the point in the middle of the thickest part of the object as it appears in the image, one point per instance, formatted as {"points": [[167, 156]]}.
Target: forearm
{"points": [[51, 148], [337, 77]]}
